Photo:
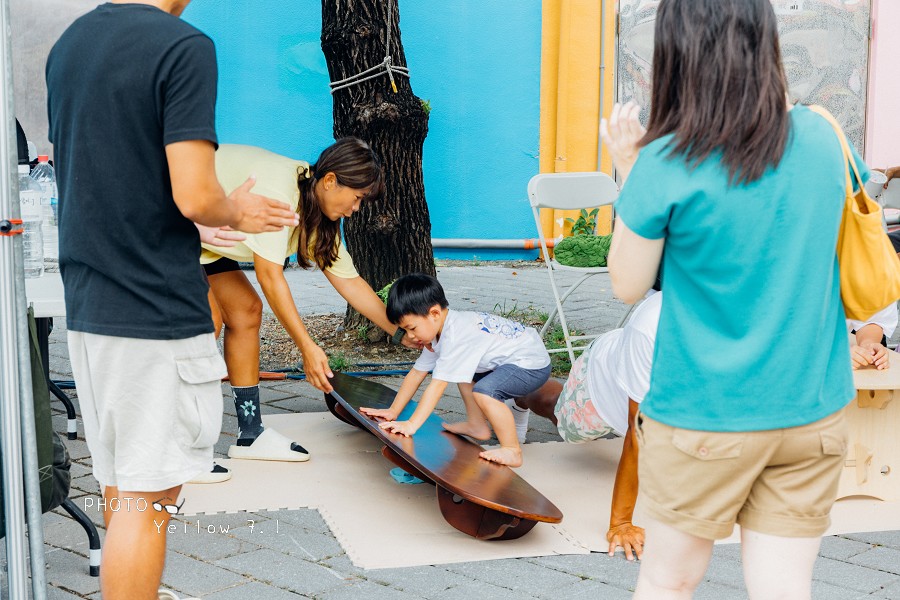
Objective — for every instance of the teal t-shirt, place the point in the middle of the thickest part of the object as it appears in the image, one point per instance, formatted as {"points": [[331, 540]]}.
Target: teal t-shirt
{"points": [[752, 333]]}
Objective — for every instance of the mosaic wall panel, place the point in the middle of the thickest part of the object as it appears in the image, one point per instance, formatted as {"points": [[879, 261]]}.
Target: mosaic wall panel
{"points": [[824, 44]]}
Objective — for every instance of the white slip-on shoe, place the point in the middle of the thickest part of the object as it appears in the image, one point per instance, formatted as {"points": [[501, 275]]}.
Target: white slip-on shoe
{"points": [[164, 594], [217, 475], [270, 445], [521, 417]]}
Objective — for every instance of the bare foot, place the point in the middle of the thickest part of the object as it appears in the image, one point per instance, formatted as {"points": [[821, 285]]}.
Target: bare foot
{"points": [[511, 457], [479, 432]]}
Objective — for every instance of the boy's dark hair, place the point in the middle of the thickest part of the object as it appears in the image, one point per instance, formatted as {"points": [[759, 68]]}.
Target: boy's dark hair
{"points": [[414, 294]]}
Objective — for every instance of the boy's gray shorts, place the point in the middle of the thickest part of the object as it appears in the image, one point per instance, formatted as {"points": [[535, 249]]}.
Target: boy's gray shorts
{"points": [[509, 381]]}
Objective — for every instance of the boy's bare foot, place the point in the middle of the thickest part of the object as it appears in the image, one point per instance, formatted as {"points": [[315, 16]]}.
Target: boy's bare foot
{"points": [[479, 432], [511, 457]]}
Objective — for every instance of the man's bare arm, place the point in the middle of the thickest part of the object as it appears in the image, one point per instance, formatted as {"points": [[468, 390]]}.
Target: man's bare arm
{"points": [[622, 532]]}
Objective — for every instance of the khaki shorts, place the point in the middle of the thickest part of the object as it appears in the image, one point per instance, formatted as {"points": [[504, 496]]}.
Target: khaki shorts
{"points": [[152, 409], [577, 419], [779, 482]]}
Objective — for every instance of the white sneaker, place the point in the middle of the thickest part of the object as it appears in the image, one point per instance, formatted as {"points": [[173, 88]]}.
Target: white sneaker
{"points": [[164, 594], [217, 475], [521, 417]]}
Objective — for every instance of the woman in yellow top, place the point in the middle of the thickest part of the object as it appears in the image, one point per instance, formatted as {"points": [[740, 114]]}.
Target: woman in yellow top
{"points": [[333, 188]]}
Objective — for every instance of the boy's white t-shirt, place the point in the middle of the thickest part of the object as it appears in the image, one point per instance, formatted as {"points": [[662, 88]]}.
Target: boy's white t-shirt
{"points": [[477, 342], [620, 362], [885, 318]]}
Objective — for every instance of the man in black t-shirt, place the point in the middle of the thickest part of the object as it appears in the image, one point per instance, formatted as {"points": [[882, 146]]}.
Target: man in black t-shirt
{"points": [[131, 101]]}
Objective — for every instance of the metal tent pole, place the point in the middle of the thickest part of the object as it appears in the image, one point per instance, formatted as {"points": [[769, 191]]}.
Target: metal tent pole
{"points": [[21, 487]]}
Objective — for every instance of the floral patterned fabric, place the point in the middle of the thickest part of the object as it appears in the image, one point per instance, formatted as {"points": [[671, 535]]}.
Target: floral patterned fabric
{"points": [[577, 418]]}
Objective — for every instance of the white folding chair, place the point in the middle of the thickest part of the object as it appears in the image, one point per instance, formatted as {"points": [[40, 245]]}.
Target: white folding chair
{"points": [[568, 191]]}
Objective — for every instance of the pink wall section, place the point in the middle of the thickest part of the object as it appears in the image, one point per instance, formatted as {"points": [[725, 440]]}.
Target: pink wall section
{"points": [[883, 114]]}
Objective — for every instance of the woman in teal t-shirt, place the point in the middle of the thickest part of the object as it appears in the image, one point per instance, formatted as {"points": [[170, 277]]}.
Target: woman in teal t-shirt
{"points": [[737, 195]]}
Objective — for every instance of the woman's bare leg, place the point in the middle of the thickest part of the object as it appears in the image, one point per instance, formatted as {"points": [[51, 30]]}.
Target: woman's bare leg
{"points": [[776, 567], [673, 563]]}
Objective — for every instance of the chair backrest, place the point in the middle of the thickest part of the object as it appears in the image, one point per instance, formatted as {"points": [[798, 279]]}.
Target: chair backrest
{"points": [[572, 191]]}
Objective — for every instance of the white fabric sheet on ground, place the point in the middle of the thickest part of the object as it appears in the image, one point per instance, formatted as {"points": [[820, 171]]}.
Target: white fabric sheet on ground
{"points": [[384, 524]]}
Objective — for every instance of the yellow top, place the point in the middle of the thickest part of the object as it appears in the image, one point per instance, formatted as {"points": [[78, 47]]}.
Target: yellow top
{"points": [[276, 177]]}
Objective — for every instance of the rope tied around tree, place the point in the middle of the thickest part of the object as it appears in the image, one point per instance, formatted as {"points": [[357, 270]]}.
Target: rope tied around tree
{"points": [[387, 65]]}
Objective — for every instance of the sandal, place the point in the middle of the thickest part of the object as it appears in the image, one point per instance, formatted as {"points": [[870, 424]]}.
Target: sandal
{"points": [[270, 445]]}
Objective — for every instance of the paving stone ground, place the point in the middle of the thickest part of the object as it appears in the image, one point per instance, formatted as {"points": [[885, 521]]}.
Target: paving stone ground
{"points": [[235, 563]]}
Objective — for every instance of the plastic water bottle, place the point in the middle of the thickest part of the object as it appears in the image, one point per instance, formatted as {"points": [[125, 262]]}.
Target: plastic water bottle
{"points": [[45, 176], [30, 206]]}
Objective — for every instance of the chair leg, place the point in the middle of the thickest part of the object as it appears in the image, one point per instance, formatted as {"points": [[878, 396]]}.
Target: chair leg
{"points": [[89, 528], [548, 322], [627, 314], [72, 424], [558, 309]]}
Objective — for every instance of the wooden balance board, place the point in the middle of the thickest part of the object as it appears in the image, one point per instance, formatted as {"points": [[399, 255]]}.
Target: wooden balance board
{"points": [[480, 498]]}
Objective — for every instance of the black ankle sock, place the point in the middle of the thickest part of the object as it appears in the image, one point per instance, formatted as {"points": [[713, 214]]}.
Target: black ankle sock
{"points": [[249, 416]]}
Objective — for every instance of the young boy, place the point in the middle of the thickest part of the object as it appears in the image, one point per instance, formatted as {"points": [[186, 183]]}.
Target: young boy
{"points": [[490, 358]]}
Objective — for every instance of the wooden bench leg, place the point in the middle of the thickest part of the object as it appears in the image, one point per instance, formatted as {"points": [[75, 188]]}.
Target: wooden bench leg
{"points": [[479, 521], [340, 412]]}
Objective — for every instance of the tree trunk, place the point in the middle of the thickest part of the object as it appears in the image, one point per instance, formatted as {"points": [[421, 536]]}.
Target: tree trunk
{"points": [[391, 236]]}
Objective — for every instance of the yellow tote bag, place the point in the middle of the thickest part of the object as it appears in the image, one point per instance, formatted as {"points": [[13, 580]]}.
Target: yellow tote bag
{"points": [[869, 267]]}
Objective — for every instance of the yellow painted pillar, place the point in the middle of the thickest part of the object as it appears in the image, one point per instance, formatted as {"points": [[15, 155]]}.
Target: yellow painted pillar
{"points": [[608, 95], [572, 31], [550, 17]]}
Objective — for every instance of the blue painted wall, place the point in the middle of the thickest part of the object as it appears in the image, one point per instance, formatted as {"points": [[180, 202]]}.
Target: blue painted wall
{"points": [[477, 62]]}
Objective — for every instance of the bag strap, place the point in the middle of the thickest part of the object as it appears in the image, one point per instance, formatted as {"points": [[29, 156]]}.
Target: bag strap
{"points": [[845, 148]]}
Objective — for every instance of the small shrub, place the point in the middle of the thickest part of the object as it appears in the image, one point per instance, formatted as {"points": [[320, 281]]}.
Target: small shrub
{"points": [[383, 292], [338, 362], [586, 223]]}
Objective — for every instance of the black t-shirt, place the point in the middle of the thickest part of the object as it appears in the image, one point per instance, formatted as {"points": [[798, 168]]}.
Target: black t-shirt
{"points": [[123, 81]]}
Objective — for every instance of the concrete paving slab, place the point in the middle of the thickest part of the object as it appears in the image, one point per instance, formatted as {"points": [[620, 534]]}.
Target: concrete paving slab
{"points": [[424, 582], [194, 577], [880, 558], [365, 589], [516, 575], [285, 571], [850, 576], [589, 589], [254, 590]]}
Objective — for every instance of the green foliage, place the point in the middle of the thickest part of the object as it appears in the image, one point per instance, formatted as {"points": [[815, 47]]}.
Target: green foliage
{"points": [[560, 364], [426, 106], [383, 292], [586, 223], [583, 250], [338, 362], [530, 315], [362, 332]]}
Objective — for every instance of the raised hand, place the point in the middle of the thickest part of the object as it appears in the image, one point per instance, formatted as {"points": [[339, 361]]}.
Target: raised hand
{"points": [[621, 134]]}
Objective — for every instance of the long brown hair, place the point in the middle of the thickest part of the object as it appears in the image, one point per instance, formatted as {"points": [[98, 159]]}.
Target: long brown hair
{"points": [[354, 165], [718, 84]]}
